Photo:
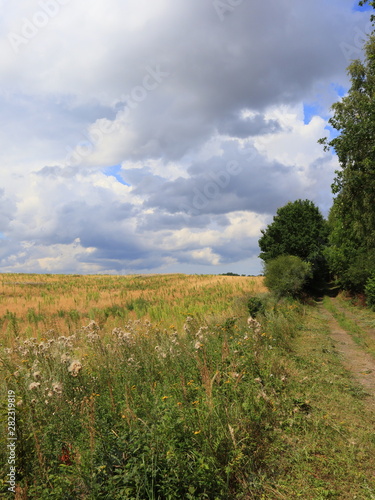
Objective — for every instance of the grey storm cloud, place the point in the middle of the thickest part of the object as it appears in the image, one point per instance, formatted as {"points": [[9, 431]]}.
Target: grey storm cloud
{"points": [[173, 92], [244, 128], [255, 185], [263, 54]]}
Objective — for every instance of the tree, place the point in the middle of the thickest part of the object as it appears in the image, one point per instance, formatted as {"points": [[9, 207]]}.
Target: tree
{"points": [[351, 254], [298, 229]]}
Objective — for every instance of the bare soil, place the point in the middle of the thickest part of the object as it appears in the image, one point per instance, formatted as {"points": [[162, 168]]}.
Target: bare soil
{"points": [[358, 362]]}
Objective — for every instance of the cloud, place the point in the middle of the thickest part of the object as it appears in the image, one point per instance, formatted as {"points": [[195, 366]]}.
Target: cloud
{"points": [[201, 111]]}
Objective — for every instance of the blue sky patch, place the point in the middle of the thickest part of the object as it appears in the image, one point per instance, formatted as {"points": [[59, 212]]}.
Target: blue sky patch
{"points": [[309, 111], [357, 8], [339, 89], [115, 172]]}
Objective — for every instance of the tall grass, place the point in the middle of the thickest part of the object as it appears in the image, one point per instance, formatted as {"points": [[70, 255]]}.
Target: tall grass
{"points": [[35, 303], [144, 412]]}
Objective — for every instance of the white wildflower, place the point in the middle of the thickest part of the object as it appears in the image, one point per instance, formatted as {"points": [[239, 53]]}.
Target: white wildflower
{"points": [[34, 385], [187, 326], [92, 337], [74, 368], [37, 375], [254, 325], [65, 358], [57, 387], [160, 352], [200, 333]]}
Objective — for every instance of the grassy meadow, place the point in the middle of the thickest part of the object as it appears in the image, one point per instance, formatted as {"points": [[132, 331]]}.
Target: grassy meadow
{"points": [[158, 387]]}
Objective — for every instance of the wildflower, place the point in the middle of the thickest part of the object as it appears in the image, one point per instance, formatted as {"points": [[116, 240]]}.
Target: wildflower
{"points": [[197, 345], [92, 337], [161, 353], [254, 324], [65, 358], [93, 326], [187, 326], [164, 398], [36, 375], [197, 432], [74, 368], [34, 385], [57, 387], [200, 333]]}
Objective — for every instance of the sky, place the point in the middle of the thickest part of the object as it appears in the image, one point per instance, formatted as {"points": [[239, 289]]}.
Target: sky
{"points": [[161, 137]]}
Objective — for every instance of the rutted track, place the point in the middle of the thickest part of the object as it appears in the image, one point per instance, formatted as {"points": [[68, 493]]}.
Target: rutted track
{"points": [[360, 363]]}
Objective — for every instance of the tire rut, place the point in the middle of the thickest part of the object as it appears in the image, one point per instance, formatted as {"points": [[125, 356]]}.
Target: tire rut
{"points": [[358, 362]]}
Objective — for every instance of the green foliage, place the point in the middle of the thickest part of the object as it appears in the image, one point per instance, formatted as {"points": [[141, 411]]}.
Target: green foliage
{"points": [[255, 306], [370, 291], [352, 219], [350, 261], [286, 275], [298, 229]]}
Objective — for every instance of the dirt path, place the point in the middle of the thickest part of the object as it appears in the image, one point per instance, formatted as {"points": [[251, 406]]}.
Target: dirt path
{"points": [[356, 360]]}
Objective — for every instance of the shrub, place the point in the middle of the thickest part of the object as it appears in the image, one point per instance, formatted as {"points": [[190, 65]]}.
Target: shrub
{"points": [[255, 306], [286, 275], [370, 291]]}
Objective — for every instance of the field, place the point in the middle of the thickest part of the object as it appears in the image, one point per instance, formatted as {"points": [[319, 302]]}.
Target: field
{"points": [[33, 304], [158, 387]]}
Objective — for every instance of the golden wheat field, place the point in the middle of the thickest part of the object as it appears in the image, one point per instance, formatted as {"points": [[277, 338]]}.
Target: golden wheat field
{"points": [[38, 305]]}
